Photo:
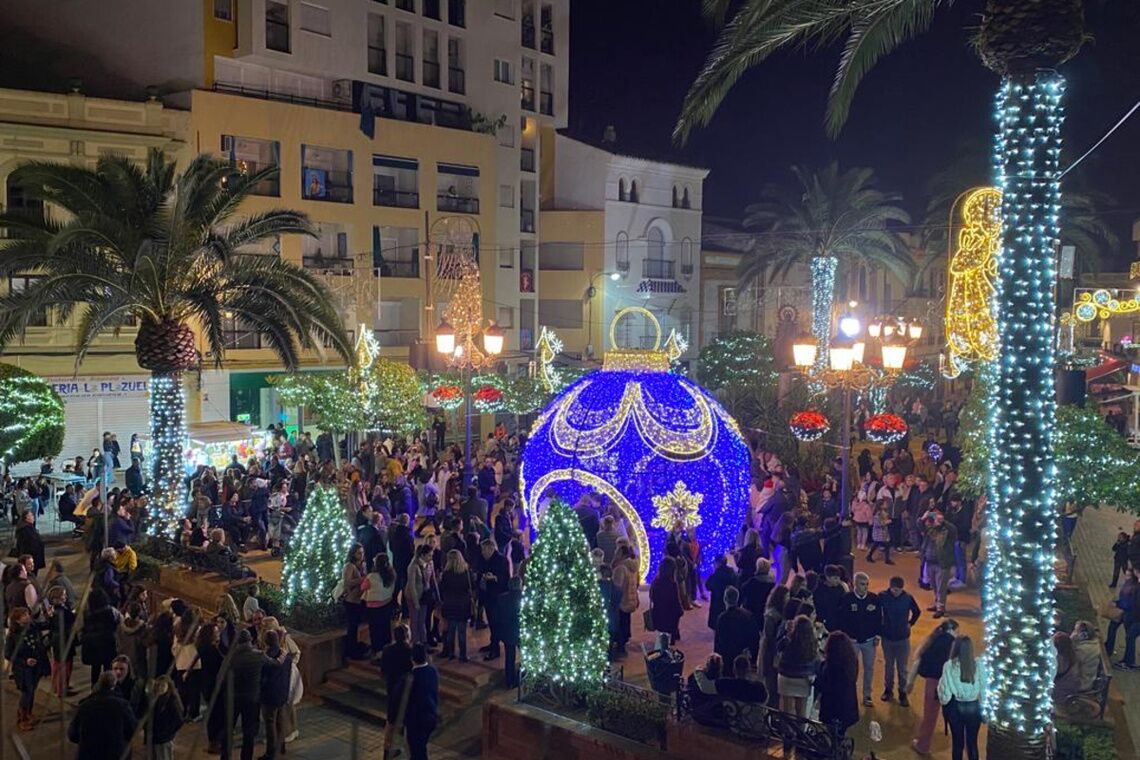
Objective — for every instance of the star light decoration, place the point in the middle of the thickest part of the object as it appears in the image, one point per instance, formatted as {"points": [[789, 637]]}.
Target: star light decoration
{"points": [[629, 432], [679, 507], [1018, 586]]}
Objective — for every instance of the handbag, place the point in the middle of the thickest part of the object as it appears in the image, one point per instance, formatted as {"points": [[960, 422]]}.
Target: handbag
{"points": [[1110, 611], [647, 619]]}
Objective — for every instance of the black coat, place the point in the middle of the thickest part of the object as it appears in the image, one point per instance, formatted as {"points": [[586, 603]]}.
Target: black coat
{"points": [[507, 611], [455, 591], [97, 638], [245, 665], [402, 544], [754, 594], [102, 727], [167, 719], [838, 702], [28, 541], [498, 565], [423, 702], [721, 578], [736, 631], [276, 673]]}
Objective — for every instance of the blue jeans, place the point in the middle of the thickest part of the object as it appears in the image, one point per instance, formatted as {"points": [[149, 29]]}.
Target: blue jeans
{"points": [[867, 653], [960, 561]]}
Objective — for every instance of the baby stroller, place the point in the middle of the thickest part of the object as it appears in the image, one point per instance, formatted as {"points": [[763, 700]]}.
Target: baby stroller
{"points": [[282, 524], [664, 666]]}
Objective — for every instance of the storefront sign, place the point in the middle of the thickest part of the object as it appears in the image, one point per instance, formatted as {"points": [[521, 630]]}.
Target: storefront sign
{"points": [[110, 386]]}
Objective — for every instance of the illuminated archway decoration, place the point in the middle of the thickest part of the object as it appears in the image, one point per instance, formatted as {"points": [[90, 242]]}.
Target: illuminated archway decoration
{"points": [[630, 432], [971, 329], [1102, 304]]}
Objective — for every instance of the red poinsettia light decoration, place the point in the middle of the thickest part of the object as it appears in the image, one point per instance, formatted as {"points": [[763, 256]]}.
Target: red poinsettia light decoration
{"points": [[809, 425], [488, 398], [885, 428], [448, 396]]}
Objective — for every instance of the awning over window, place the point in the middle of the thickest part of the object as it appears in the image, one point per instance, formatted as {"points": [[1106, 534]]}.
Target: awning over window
{"points": [[393, 162]]}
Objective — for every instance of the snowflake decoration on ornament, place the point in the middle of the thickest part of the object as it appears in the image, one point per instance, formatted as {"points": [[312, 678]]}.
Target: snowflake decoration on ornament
{"points": [[680, 506]]}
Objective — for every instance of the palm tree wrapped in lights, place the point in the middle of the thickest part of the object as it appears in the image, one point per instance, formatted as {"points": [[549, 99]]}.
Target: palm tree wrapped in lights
{"points": [[1023, 42], [168, 252]]}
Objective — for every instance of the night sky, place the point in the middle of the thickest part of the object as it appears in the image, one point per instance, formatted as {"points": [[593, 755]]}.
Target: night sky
{"points": [[633, 61]]}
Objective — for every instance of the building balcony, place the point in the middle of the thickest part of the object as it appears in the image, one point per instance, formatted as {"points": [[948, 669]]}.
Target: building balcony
{"points": [[405, 67], [528, 32], [406, 269], [526, 160], [378, 61], [431, 74], [546, 103], [687, 270], [395, 198], [457, 203], [548, 41], [658, 269], [334, 265], [456, 80], [335, 188], [528, 98], [526, 220], [396, 338]]}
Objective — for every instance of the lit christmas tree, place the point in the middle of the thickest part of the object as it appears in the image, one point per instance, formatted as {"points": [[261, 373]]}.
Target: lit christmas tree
{"points": [[563, 621], [319, 548]]}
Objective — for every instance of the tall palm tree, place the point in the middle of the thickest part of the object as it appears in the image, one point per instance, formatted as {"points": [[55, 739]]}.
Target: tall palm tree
{"points": [[1023, 41], [830, 221], [143, 245]]}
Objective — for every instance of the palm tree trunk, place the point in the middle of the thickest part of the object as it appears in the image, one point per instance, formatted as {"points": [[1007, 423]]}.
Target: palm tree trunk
{"points": [[168, 435], [822, 296], [1019, 582]]}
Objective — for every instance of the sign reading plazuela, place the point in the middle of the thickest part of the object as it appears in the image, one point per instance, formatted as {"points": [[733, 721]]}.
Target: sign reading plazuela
{"points": [[108, 386]]}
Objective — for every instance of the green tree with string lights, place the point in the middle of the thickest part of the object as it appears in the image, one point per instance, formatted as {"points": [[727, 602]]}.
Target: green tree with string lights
{"points": [[31, 417], [736, 359], [318, 549]]}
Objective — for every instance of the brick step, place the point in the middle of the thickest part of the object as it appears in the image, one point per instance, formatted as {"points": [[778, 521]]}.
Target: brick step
{"points": [[366, 679], [371, 706]]}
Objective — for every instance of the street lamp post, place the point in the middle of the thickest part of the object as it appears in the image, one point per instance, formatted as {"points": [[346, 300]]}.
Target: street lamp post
{"points": [[468, 357]]}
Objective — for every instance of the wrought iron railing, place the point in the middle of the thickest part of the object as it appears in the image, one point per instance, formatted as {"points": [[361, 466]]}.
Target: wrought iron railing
{"points": [[395, 198], [448, 202]]}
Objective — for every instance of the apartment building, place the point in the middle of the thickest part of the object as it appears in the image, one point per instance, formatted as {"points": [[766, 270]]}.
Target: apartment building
{"points": [[399, 125], [618, 231]]}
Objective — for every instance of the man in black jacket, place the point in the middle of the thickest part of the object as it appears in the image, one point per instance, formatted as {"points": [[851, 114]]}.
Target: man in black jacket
{"points": [[861, 618], [737, 631], [473, 507], [494, 572], [243, 677], [103, 724], [422, 714], [828, 597], [275, 680], [722, 577], [754, 593], [507, 613], [900, 613]]}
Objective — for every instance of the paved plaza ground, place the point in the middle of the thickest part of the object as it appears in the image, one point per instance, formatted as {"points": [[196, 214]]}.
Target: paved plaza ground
{"points": [[327, 734]]}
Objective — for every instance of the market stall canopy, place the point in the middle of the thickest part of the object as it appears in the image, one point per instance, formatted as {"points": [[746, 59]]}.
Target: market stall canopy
{"points": [[219, 432]]}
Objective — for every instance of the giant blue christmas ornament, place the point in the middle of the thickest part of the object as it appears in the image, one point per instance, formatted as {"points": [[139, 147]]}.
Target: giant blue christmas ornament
{"points": [[652, 442]]}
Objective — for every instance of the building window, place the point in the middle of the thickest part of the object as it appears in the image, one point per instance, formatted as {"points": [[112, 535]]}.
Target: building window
{"points": [[399, 321], [457, 12], [676, 198], [431, 9], [548, 29], [560, 313], [405, 53], [431, 58], [224, 10], [622, 196], [506, 258], [457, 188], [328, 252], [18, 283], [456, 74], [503, 72], [506, 317], [316, 19], [685, 202], [687, 257], [507, 196], [506, 135], [249, 156], [326, 174], [546, 96], [528, 24], [396, 252], [20, 201], [236, 333], [561, 257], [395, 182], [377, 46], [658, 264], [622, 252], [528, 84], [632, 192], [505, 8], [277, 26], [406, 5]]}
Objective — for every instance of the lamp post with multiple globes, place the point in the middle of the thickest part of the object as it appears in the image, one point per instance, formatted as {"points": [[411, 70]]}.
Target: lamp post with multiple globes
{"points": [[461, 351], [847, 372]]}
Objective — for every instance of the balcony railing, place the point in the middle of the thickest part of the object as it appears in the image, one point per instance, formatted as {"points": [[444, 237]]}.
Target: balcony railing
{"points": [[337, 189], [456, 80], [548, 41], [395, 198], [431, 73], [528, 32], [687, 270], [328, 264], [528, 98], [526, 220], [526, 160], [448, 202], [233, 339], [378, 60], [658, 269], [396, 337], [270, 186], [546, 103], [405, 67], [408, 269]]}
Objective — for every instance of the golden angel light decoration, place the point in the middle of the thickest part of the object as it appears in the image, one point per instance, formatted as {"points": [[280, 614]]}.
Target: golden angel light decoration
{"points": [[971, 327]]}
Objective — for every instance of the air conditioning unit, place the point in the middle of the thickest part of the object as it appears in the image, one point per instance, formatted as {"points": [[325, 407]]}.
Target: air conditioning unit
{"points": [[342, 90]]}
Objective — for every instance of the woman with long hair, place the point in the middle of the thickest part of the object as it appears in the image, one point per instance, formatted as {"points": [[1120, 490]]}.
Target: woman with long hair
{"points": [[352, 578], [960, 690], [455, 591], [772, 624], [796, 666], [167, 718], [28, 662], [1067, 681], [928, 661], [97, 638], [187, 670], [379, 589], [626, 580], [665, 600], [838, 702]]}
